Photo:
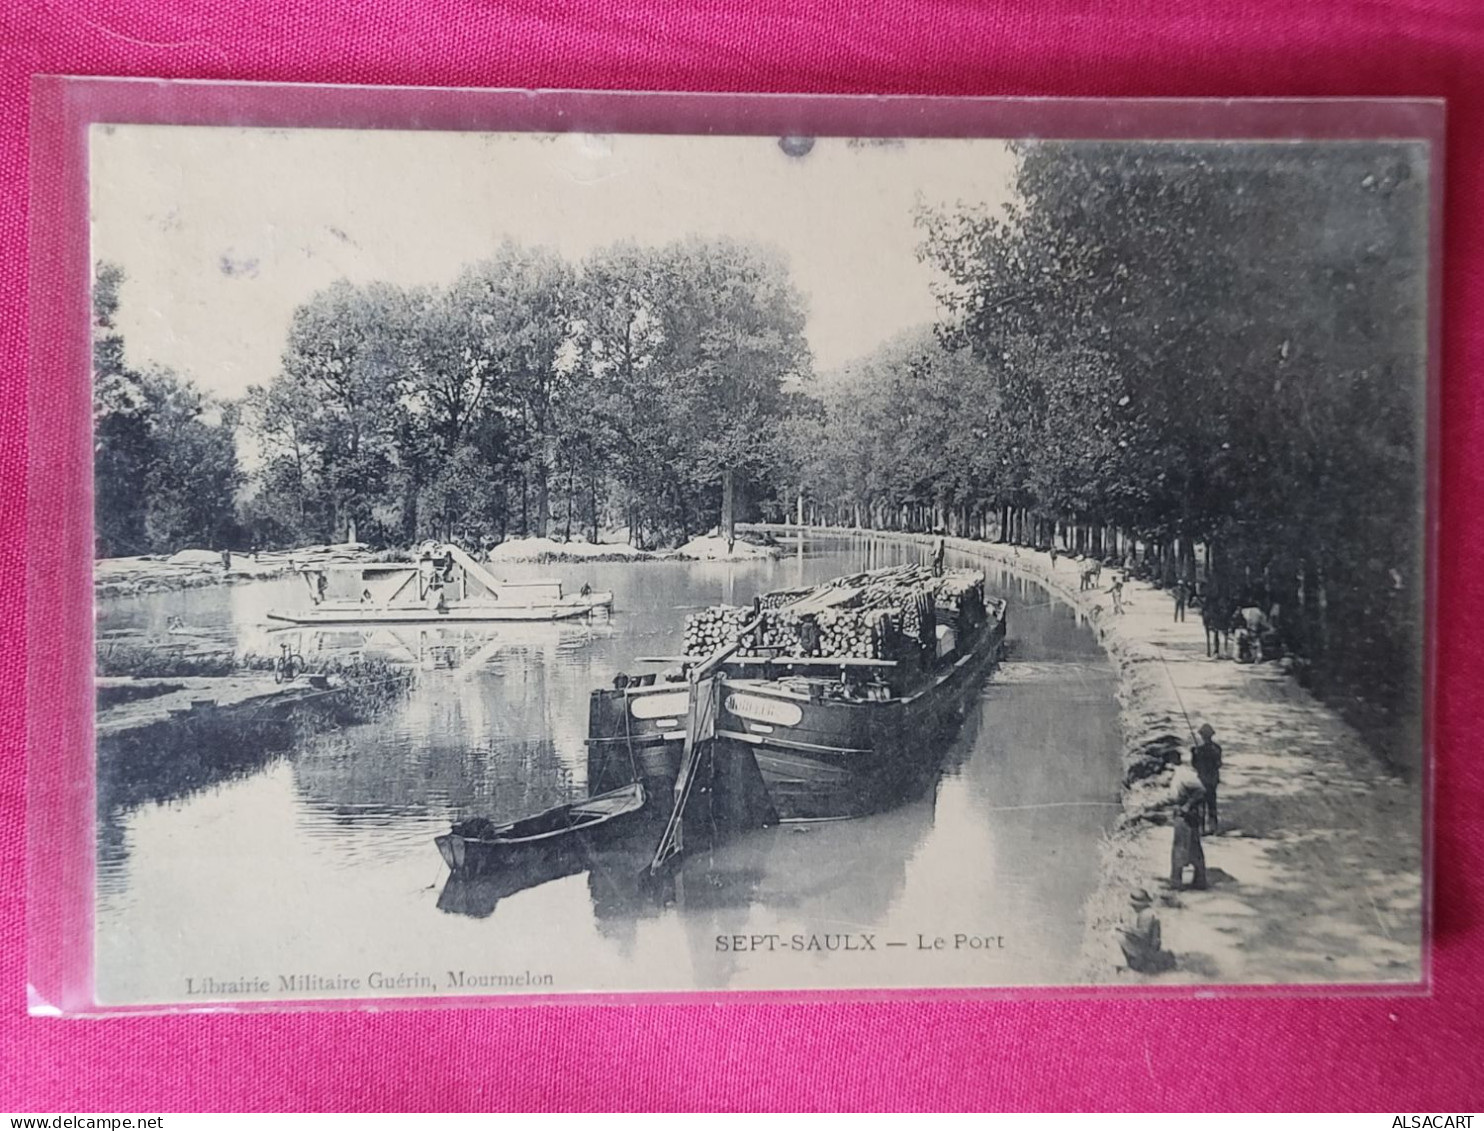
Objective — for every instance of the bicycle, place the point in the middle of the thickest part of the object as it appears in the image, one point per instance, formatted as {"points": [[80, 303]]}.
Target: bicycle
{"points": [[289, 666]]}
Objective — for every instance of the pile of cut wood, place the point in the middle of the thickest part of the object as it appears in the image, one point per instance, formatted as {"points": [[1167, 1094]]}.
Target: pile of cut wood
{"points": [[863, 616], [864, 634], [714, 628]]}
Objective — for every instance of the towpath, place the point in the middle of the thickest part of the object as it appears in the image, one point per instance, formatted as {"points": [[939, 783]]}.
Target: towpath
{"points": [[1317, 874]]}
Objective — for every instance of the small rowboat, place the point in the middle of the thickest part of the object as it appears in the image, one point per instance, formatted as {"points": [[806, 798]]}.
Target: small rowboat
{"points": [[480, 845]]}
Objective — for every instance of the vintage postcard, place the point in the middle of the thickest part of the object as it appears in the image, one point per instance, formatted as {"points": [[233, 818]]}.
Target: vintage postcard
{"points": [[540, 563]]}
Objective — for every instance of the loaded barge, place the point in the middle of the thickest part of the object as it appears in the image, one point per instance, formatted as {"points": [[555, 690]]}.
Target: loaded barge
{"points": [[844, 694]]}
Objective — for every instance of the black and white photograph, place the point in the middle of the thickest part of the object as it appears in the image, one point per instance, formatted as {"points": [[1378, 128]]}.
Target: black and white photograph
{"points": [[536, 564]]}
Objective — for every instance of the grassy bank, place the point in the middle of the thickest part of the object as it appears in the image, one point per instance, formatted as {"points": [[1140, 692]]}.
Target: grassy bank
{"points": [[150, 748]]}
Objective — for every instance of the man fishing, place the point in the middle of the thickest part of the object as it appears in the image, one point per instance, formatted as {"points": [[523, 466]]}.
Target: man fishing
{"points": [[1187, 815], [1139, 937], [1205, 760]]}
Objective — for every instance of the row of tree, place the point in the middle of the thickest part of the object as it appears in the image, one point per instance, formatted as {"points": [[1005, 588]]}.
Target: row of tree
{"points": [[1209, 356], [532, 396], [642, 388]]}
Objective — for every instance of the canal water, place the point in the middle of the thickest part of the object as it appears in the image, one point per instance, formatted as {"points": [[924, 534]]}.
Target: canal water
{"points": [[318, 863]]}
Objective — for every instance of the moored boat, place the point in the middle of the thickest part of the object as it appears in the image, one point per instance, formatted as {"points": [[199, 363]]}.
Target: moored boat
{"points": [[444, 586], [834, 735], [479, 845]]}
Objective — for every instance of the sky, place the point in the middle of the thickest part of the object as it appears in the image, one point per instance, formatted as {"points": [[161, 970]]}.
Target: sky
{"points": [[223, 231]]}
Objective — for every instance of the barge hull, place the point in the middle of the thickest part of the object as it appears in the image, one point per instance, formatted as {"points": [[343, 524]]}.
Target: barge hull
{"points": [[820, 758], [848, 759]]}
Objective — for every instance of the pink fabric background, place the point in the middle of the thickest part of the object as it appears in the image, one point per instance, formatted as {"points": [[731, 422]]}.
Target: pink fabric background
{"points": [[1293, 1052]]}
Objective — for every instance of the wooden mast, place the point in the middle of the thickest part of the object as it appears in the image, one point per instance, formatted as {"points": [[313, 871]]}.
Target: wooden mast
{"points": [[700, 733]]}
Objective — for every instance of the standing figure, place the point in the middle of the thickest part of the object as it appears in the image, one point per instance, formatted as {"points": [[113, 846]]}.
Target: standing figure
{"points": [[1246, 644], [1182, 595], [1213, 620], [1188, 812], [1205, 760], [940, 547], [809, 635], [757, 638], [1139, 937], [1116, 589], [226, 560], [1053, 555], [1259, 629]]}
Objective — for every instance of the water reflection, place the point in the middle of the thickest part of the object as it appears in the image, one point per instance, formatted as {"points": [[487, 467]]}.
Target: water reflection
{"points": [[463, 648], [332, 861]]}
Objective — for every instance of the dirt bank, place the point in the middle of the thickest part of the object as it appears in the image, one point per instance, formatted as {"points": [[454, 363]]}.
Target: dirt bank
{"points": [[130, 577], [707, 547], [1317, 874], [192, 569]]}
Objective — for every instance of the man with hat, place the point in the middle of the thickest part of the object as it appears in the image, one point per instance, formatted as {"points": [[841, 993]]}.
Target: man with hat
{"points": [[1188, 815], [1205, 759], [1139, 937]]}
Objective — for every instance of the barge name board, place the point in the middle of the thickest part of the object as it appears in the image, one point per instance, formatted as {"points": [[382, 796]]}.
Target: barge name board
{"points": [[759, 709]]}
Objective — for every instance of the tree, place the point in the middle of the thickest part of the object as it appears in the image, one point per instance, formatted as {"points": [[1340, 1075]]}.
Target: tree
{"points": [[342, 381], [516, 314], [165, 455], [287, 508], [122, 445], [734, 342], [695, 352], [620, 335], [192, 481]]}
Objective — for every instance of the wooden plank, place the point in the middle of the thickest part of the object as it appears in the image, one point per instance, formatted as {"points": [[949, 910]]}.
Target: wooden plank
{"points": [[354, 567], [822, 599], [796, 661]]}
